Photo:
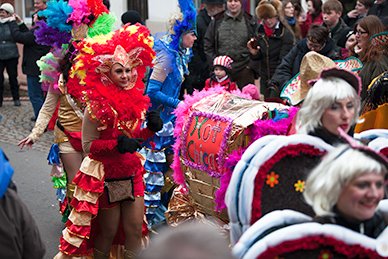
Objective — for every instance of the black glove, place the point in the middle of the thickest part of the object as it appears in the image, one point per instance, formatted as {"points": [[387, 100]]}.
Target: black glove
{"points": [[154, 122], [125, 144]]}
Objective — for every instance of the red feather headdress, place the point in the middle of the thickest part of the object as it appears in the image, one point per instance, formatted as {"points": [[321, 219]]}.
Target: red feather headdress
{"points": [[107, 103]]}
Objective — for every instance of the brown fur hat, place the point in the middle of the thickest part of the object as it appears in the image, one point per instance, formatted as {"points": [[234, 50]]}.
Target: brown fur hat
{"points": [[268, 9]]}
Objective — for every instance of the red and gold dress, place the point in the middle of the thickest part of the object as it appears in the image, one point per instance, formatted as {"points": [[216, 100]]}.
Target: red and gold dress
{"points": [[111, 111]]}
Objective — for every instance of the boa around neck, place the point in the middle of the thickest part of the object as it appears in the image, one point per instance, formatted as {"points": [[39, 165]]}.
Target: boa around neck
{"points": [[109, 104]]}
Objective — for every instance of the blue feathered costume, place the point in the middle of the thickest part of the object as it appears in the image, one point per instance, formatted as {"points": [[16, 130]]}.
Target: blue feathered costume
{"points": [[171, 65]]}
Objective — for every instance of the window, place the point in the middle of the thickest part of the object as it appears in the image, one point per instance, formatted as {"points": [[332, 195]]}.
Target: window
{"points": [[29, 8]]}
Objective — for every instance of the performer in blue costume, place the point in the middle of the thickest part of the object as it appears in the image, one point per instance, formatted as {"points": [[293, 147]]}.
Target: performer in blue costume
{"points": [[173, 52]]}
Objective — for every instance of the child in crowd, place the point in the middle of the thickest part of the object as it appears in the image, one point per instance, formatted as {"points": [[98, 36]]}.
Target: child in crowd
{"points": [[347, 39], [221, 65], [332, 12], [252, 91]]}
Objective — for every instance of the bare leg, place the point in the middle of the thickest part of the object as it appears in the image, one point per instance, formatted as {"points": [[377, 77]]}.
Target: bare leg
{"points": [[169, 159], [109, 222], [71, 164], [132, 215]]}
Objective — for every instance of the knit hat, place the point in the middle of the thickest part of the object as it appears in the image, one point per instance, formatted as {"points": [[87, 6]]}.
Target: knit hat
{"points": [[268, 9], [252, 90], [132, 17], [312, 64], [8, 8], [344, 36], [223, 61]]}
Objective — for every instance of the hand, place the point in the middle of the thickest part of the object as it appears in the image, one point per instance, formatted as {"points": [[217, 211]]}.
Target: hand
{"points": [[252, 48], [154, 122], [125, 144], [17, 18], [35, 18], [12, 18], [26, 142], [353, 14]]}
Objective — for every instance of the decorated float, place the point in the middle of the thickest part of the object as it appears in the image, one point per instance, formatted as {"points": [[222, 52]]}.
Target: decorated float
{"points": [[213, 129]]}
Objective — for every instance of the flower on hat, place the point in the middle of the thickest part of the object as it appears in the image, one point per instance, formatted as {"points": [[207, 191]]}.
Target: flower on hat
{"points": [[223, 61], [272, 179], [299, 186]]}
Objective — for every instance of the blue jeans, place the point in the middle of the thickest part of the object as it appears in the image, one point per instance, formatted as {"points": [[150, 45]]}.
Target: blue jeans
{"points": [[35, 93]]}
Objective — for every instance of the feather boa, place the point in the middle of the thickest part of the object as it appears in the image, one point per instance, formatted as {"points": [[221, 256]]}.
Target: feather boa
{"points": [[97, 7], [262, 128], [57, 13], [104, 24], [49, 64], [49, 36], [107, 103], [80, 13]]}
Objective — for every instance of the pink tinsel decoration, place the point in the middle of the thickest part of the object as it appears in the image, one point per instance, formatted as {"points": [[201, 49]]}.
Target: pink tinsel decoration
{"points": [[262, 128], [182, 113], [230, 163]]}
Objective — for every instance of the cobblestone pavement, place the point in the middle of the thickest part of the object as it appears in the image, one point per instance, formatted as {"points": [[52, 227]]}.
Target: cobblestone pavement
{"points": [[16, 124]]}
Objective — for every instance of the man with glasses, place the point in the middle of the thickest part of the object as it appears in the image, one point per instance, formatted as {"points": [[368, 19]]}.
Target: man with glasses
{"points": [[318, 40]]}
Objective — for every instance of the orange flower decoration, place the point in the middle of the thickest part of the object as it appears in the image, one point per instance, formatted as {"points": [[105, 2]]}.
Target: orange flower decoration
{"points": [[299, 186], [272, 179]]}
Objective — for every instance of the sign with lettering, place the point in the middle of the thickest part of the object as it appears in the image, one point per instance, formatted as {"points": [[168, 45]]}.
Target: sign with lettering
{"points": [[205, 142]]}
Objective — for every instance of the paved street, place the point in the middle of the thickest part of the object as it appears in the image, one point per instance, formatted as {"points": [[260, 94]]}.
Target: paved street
{"points": [[32, 174]]}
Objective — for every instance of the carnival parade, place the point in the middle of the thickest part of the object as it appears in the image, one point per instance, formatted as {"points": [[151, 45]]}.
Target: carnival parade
{"points": [[238, 129]]}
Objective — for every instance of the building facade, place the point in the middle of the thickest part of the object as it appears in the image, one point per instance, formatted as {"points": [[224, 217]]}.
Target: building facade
{"points": [[154, 12]]}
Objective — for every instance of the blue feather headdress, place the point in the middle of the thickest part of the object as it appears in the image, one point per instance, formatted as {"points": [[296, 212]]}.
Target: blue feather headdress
{"points": [[187, 25]]}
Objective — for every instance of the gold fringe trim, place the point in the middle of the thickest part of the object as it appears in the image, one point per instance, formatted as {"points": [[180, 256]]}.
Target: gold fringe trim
{"points": [[160, 150], [151, 192], [77, 235], [148, 171]]}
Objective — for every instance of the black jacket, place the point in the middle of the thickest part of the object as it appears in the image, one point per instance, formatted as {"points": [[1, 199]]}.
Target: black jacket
{"points": [[272, 49], [371, 227], [350, 21], [31, 50], [291, 62], [335, 34], [380, 10], [8, 47], [198, 66]]}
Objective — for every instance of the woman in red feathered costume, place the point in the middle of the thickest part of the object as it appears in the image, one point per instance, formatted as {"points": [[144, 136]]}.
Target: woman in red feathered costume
{"points": [[110, 69]]}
